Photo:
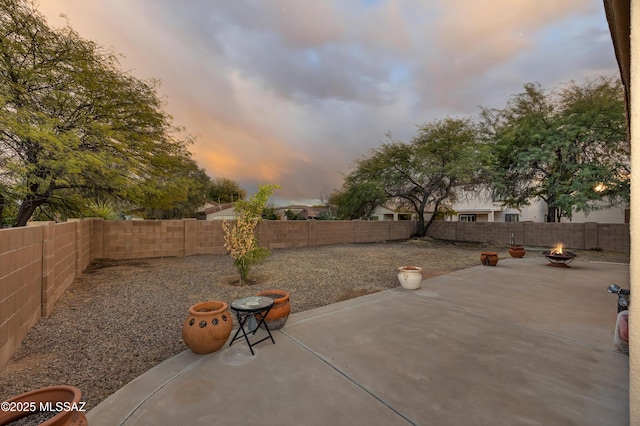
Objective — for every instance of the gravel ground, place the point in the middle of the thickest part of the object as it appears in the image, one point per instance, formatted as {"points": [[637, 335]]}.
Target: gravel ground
{"points": [[121, 318]]}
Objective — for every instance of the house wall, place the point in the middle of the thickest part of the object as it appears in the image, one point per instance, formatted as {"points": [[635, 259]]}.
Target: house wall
{"points": [[472, 202]]}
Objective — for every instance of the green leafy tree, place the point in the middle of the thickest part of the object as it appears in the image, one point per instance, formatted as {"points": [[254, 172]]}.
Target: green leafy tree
{"points": [[225, 190], [269, 213], [291, 215], [568, 148], [328, 212], [240, 237], [357, 199], [416, 175], [179, 195], [75, 128]]}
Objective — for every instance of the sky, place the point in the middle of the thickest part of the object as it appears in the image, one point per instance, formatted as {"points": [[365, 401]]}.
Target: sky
{"points": [[294, 92]]}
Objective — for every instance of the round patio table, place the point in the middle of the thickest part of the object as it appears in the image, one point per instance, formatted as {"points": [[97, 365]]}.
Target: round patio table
{"points": [[246, 308]]}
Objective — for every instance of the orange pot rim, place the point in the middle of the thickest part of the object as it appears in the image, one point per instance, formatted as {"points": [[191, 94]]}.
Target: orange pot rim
{"points": [[284, 295], [58, 393], [409, 268], [208, 308]]}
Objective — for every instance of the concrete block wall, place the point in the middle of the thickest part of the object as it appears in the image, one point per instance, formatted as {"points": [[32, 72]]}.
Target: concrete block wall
{"points": [[302, 233], [83, 244], [371, 231], [20, 286], [277, 234], [484, 231], [204, 237], [443, 230], [144, 239], [64, 262], [135, 239], [38, 263], [612, 237], [331, 232], [571, 235], [402, 229]]}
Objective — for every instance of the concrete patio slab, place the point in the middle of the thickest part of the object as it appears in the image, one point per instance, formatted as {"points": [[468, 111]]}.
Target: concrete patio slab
{"points": [[517, 344]]}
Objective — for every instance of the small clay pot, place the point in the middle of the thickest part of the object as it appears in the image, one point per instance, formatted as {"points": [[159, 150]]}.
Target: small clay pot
{"points": [[207, 327], [517, 251], [489, 258], [277, 316], [66, 396], [410, 277]]}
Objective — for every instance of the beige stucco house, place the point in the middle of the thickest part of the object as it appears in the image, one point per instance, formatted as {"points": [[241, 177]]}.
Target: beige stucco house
{"points": [[477, 205], [388, 213], [626, 43]]}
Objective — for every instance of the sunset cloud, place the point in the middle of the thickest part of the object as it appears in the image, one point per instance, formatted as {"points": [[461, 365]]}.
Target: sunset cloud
{"points": [[293, 92]]}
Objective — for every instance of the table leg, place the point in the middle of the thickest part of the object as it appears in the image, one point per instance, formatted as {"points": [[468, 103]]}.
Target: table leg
{"points": [[242, 319]]}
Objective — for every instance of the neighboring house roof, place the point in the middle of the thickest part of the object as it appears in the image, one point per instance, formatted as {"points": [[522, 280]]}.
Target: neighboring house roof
{"points": [[305, 211], [211, 210]]}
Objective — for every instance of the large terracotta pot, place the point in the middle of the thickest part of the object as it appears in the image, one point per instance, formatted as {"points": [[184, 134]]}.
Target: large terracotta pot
{"points": [[517, 251], [207, 327], [63, 399], [410, 277], [489, 258], [277, 316]]}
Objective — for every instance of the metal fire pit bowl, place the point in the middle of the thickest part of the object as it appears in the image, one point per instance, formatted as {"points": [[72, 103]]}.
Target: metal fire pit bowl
{"points": [[559, 259]]}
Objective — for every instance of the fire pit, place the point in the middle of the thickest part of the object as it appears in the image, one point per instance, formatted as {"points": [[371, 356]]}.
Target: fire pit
{"points": [[559, 257]]}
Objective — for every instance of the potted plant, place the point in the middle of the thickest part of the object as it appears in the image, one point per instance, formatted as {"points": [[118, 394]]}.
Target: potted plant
{"points": [[277, 316], [410, 277], [517, 251], [207, 327], [48, 399]]}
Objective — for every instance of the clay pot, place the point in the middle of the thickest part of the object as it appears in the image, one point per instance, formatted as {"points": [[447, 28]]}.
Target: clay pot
{"points": [[410, 277], [277, 316], [207, 327], [517, 251], [489, 258], [66, 398]]}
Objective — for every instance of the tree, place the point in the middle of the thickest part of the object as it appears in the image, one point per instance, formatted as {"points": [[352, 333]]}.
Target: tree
{"points": [[240, 239], [75, 128], [225, 190], [179, 195], [357, 199], [568, 148], [420, 174], [291, 215], [269, 213]]}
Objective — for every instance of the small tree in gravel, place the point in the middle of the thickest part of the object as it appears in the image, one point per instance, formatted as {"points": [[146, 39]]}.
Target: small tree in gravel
{"points": [[240, 238]]}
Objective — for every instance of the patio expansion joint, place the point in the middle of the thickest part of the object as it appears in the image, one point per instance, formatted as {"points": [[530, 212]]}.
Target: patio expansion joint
{"points": [[349, 378], [346, 305]]}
